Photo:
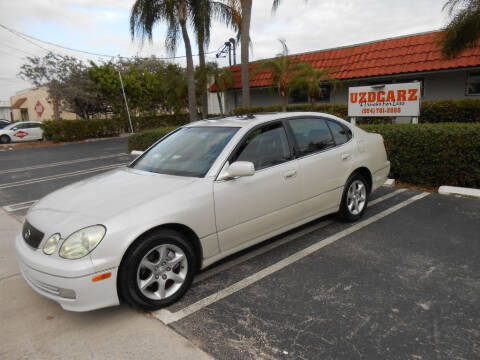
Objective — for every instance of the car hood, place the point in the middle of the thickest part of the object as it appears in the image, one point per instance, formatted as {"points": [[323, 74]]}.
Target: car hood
{"points": [[104, 196]]}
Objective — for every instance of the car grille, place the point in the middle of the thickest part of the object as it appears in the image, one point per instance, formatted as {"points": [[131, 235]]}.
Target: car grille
{"points": [[31, 235]]}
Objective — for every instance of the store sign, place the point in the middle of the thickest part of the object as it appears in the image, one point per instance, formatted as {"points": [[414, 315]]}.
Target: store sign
{"points": [[385, 100], [39, 109]]}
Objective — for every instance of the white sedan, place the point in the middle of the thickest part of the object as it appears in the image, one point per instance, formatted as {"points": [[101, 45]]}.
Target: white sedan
{"points": [[207, 190], [21, 131]]}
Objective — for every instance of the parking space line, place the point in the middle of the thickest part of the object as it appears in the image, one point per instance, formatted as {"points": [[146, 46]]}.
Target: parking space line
{"points": [[59, 176], [241, 259], [168, 317], [385, 197], [66, 162]]}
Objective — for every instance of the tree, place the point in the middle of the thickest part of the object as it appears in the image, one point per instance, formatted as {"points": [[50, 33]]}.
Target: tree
{"points": [[242, 14], [281, 68], [463, 31], [67, 81], [175, 13], [310, 80], [222, 78], [203, 11]]}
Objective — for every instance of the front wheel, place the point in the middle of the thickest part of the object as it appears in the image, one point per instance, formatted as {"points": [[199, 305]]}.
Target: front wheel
{"points": [[354, 199], [4, 139], [157, 271]]}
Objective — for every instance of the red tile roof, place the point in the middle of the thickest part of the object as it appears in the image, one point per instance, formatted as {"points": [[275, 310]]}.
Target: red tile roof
{"points": [[403, 55]]}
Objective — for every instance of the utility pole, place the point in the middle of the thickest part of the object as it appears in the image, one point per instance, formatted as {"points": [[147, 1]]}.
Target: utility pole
{"points": [[126, 103]]}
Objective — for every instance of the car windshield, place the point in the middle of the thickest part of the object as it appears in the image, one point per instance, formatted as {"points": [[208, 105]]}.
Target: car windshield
{"points": [[189, 151]]}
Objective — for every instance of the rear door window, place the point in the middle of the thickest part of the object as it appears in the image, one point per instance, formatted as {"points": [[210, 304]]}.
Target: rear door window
{"points": [[341, 134], [312, 135]]}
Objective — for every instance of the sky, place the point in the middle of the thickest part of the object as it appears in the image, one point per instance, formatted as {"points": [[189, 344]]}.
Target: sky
{"points": [[102, 26]]}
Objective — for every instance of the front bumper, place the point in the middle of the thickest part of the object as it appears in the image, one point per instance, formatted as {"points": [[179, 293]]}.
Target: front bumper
{"points": [[74, 292]]}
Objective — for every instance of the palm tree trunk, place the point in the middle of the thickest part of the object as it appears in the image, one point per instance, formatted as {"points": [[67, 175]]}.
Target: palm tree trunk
{"points": [[203, 90], [245, 39], [192, 101], [219, 98]]}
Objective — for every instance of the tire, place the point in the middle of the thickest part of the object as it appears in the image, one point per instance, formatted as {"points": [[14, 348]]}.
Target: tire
{"points": [[354, 198], [151, 276], [4, 139]]}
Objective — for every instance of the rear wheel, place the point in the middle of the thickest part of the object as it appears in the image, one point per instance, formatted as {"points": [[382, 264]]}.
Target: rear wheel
{"points": [[157, 271], [4, 139], [354, 199]]}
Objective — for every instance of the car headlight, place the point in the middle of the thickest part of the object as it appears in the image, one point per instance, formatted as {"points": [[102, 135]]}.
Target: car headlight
{"points": [[51, 244], [82, 242]]}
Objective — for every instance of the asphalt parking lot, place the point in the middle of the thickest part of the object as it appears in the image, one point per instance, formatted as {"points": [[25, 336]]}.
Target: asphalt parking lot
{"points": [[402, 283]]}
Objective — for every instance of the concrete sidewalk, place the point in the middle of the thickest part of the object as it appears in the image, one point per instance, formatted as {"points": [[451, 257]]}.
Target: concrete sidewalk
{"points": [[34, 327]]}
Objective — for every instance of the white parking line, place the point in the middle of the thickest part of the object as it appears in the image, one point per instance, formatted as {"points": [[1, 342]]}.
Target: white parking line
{"points": [[167, 317], [59, 176], [67, 162], [241, 259]]}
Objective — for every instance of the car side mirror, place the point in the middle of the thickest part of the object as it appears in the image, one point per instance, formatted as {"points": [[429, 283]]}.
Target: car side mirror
{"points": [[238, 169]]}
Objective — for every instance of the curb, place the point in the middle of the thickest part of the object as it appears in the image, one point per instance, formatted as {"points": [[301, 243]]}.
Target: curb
{"points": [[454, 190], [389, 182]]}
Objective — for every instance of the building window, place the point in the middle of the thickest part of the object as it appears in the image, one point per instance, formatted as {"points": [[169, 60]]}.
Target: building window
{"points": [[301, 97], [24, 114], [473, 83]]}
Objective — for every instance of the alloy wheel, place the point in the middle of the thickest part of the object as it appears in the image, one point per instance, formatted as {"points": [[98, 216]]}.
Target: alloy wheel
{"points": [[162, 271], [356, 197]]}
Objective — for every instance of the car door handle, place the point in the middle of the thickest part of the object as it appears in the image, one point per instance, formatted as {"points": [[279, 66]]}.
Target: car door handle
{"points": [[345, 156], [290, 174]]}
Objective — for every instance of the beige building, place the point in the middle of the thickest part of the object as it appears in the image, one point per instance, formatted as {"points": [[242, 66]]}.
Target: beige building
{"points": [[34, 105]]}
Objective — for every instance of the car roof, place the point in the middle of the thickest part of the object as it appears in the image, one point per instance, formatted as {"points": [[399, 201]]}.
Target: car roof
{"points": [[253, 120]]}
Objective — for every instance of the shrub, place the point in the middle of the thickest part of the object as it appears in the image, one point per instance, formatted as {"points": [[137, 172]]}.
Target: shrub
{"points": [[70, 130], [141, 123], [465, 111], [141, 141], [433, 154], [337, 110]]}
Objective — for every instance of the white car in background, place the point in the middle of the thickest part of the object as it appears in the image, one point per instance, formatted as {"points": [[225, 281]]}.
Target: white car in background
{"points": [[21, 131], [207, 190]]}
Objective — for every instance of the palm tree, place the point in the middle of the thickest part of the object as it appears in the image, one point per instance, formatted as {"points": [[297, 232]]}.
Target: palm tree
{"points": [[175, 13], [203, 11], [463, 31], [281, 68], [310, 80], [243, 8], [222, 78]]}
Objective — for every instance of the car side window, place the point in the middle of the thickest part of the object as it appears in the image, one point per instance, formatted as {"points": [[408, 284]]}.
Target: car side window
{"points": [[341, 134], [312, 135], [264, 147]]}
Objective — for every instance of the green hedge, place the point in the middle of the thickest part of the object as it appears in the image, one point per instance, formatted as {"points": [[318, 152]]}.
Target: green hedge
{"points": [[433, 154], [141, 123], [70, 130], [141, 141], [464, 111], [424, 154], [467, 110], [337, 110]]}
